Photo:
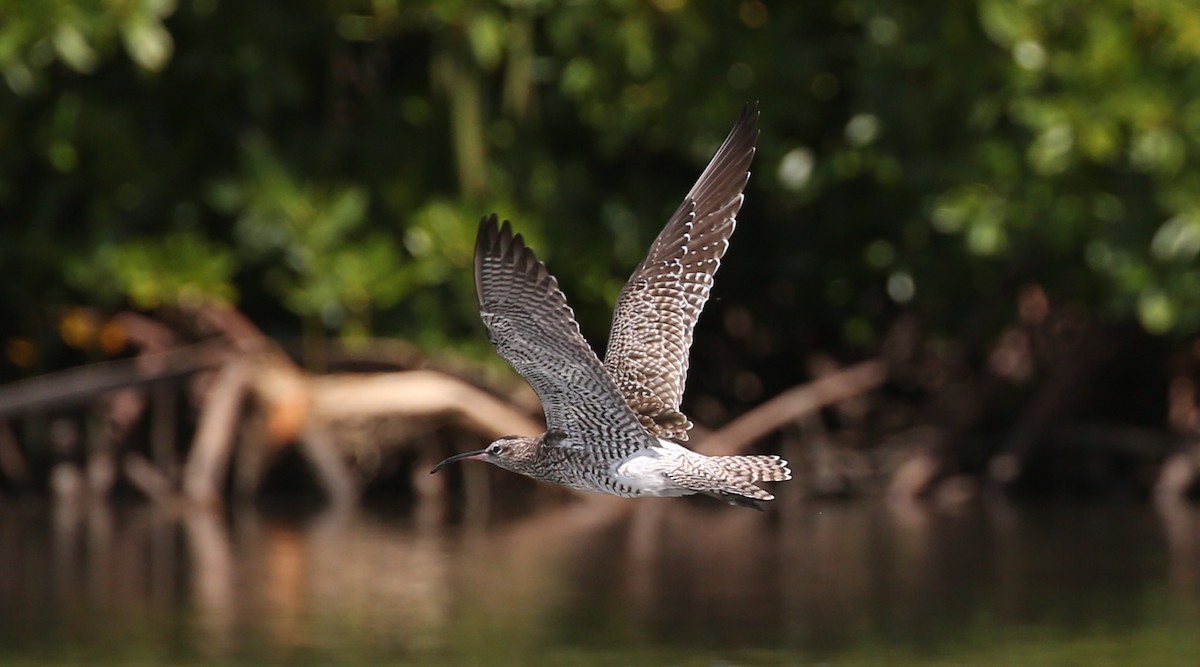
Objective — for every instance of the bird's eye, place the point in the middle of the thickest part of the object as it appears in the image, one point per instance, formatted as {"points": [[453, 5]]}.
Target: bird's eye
{"points": [[495, 449]]}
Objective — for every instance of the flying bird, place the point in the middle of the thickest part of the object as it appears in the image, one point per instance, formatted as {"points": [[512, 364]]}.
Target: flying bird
{"points": [[615, 427]]}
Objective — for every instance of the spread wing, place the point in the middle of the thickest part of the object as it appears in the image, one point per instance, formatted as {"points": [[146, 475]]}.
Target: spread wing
{"points": [[658, 308], [532, 327]]}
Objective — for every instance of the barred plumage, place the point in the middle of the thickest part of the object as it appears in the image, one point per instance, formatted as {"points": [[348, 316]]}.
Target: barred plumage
{"points": [[658, 308], [607, 422]]}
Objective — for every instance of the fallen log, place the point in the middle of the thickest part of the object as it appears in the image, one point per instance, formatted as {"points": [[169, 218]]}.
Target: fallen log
{"points": [[793, 404]]}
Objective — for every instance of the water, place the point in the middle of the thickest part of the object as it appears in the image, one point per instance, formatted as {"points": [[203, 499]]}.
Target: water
{"points": [[661, 582]]}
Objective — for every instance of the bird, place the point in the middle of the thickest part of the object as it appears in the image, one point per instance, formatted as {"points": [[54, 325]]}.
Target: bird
{"points": [[615, 426]]}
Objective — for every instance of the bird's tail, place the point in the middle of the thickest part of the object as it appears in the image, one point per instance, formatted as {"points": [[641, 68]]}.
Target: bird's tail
{"points": [[732, 478]]}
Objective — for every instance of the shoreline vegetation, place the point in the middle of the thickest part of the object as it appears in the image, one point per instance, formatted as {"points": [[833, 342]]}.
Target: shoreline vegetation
{"points": [[207, 407], [238, 236]]}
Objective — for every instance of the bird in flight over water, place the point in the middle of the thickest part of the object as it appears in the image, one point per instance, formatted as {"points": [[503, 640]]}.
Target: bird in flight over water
{"points": [[614, 427]]}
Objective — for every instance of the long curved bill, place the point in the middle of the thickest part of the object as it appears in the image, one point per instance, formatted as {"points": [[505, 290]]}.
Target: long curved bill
{"points": [[465, 456]]}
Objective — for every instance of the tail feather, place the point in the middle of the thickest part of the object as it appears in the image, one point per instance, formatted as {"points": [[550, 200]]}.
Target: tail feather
{"points": [[755, 468], [731, 478], [736, 499]]}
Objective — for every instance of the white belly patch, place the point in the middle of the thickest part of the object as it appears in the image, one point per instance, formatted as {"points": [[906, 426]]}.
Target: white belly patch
{"points": [[644, 472]]}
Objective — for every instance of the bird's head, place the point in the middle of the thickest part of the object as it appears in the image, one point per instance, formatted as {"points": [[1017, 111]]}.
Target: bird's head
{"points": [[512, 452]]}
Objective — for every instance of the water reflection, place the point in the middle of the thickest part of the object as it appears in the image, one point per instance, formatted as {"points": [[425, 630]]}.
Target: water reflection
{"points": [[603, 578]]}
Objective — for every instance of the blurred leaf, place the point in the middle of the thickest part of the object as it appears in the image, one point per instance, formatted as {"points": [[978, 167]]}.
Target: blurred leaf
{"points": [[179, 269]]}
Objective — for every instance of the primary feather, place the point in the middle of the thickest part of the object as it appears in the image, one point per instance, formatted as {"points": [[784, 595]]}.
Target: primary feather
{"points": [[658, 308]]}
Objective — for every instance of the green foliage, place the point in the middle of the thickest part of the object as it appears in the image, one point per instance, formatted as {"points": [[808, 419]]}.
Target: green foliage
{"points": [[1105, 93], [181, 268], [80, 35], [319, 267], [331, 159]]}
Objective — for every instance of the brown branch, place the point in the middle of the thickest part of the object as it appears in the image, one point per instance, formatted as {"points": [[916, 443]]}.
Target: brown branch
{"points": [[148, 479], [235, 326], [1179, 476], [146, 333], [1066, 385], [12, 462], [792, 404], [331, 469], [423, 393], [79, 385], [209, 457]]}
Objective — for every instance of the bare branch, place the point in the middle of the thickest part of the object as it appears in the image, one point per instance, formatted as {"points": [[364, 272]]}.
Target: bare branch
{"points": [[80, 385], [213, 444], [792, 404], [424, 393]]}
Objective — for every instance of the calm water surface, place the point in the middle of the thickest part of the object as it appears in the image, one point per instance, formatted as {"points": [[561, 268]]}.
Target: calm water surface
{"points": [[650, 582]]}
